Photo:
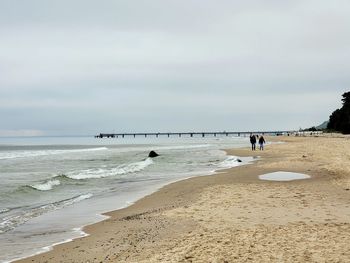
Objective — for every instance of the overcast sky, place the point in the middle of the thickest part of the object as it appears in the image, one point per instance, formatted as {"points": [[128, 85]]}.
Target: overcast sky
{"points": [[84, 67]]}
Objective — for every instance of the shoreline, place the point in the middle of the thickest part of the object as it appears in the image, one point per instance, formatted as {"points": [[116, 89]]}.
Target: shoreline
{"points": [[148, 230], [106, 215]]}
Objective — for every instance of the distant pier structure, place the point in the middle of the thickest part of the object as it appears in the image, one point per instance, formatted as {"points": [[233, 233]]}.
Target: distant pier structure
{"points": [[190, 134]]}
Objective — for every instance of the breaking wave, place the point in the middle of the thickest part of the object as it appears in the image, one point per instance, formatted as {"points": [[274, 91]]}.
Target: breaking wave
{"points": [[101, 173], [48, 185]]}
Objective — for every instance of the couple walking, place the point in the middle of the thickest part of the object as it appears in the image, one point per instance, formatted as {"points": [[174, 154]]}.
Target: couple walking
{"points": [[261, 140]]}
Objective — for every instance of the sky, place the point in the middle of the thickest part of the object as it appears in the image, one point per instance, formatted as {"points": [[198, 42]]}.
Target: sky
{"points": [[83, 67]]}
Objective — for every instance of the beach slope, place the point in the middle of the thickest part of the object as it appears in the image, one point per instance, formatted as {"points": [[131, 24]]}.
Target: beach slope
{"points": [[233, 216]]}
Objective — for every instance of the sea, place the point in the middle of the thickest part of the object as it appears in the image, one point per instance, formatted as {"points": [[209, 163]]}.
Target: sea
{"points": [[50, 187]]}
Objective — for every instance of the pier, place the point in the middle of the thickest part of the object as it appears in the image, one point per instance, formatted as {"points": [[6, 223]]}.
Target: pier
{"points": [[190, 134]]}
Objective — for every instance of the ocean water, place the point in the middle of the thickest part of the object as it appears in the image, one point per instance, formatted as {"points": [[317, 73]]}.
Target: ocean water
{"points": [[51, 187]]}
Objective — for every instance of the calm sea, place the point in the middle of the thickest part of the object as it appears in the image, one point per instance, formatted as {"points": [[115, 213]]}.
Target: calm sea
{"points": [[52, 186]]}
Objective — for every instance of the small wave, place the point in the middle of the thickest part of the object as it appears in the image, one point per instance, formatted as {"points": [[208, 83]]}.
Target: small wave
{"points": [[101, 173], [229, 162], [4, 210], [25, 154], [48, 185], [10, 222], [79, 198]]}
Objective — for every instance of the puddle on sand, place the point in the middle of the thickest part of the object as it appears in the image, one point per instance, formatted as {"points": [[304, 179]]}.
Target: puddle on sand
{"points": [[283, 176]]}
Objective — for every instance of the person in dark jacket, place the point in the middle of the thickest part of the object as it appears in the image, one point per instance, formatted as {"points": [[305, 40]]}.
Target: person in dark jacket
{"points": [[261, 143], [253, 141]]}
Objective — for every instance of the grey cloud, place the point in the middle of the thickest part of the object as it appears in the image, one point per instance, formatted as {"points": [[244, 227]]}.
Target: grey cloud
{"points": [[172, 64]]}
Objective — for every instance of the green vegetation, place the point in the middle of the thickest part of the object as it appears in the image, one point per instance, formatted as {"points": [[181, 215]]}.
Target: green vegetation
{"points": [[340, 118], [321, 127], [312, 129]]}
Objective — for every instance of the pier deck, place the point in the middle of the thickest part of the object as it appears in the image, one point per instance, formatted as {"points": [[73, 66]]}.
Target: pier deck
{"points": [[189, 134]]}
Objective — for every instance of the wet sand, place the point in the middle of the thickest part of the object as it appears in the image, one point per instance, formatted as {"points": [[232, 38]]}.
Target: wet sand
{"points": [[233, 216]]}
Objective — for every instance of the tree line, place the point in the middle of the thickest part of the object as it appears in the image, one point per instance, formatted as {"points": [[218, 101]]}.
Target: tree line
{"points": [[340, 118]]}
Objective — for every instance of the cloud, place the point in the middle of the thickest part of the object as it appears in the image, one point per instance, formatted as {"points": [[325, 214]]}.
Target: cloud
{"points": [[163, 63]]}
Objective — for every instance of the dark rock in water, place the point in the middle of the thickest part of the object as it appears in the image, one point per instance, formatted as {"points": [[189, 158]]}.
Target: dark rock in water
{"points": [[239, 160], [153, 154]]}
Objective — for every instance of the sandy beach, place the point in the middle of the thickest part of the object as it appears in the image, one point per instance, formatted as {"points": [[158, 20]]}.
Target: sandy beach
{"points": [[233, 216]]}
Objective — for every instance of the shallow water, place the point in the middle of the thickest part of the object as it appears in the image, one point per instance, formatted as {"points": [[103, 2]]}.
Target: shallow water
{"points": [[283, 176]]}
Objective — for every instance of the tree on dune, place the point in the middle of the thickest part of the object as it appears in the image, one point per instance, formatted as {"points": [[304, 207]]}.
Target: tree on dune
{"points": [[340, 118]]}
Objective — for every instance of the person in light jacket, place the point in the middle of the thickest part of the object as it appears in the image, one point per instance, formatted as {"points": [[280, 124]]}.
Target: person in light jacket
{"points": [[261, 143]]}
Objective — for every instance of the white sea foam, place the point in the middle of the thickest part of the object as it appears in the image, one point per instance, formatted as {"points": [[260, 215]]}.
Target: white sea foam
{"points": [[119, 170], [35, 153], [10, 222], [229, 162], [48, 185]]}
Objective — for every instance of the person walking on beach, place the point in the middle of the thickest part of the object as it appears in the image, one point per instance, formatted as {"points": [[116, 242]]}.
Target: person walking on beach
{"points": [[261, 143], [253, 141]]}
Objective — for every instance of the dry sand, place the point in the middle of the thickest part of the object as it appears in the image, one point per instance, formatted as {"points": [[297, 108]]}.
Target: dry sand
{"points": [[233, 216]]}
